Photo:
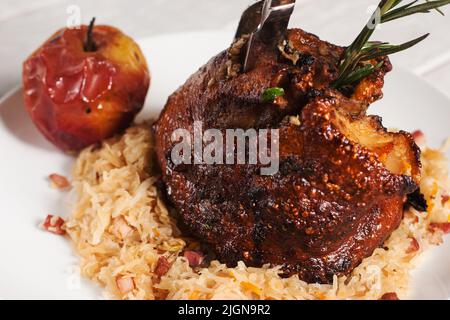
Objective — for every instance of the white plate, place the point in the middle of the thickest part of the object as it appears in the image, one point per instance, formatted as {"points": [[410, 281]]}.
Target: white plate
{"points": [[39, 265]]}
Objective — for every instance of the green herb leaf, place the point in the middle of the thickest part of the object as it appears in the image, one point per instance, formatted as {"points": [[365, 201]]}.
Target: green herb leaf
{"points": [[437, 9], [410, 10], [269, 95], [357, 75], [362, 49], [387, 49]]}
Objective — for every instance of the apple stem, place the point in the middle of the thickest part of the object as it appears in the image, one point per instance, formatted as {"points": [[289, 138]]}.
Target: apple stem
{"points": [[89, 45]]}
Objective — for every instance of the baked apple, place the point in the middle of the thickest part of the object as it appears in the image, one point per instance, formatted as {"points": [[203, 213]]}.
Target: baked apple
{"points": [[84, 85]]}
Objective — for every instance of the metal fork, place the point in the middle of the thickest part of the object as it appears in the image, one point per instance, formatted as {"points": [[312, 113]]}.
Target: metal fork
{"points": [[265, 21]]}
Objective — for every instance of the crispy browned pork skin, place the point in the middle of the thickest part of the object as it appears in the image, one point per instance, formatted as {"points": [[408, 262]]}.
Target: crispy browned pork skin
{"points": [[343, 178]]}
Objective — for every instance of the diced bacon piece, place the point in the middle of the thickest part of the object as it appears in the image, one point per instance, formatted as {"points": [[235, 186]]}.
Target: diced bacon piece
{"points": [[444, 227], [125, 284], [59, 181], [162, 266], [444, 199], [417, 134], [194, 258], [419, 138], [414, 246], [389, 296], [53, 224]]}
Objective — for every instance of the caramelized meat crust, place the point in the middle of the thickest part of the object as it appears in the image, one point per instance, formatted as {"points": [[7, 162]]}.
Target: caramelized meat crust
{"points": [[343, 178]]}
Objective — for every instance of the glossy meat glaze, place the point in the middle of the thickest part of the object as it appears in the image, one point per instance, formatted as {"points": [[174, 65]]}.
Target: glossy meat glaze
{"points": [[343, 178]]}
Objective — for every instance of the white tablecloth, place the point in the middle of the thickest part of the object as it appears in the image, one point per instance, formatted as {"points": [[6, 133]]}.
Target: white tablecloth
{"points": [[25, 24]]}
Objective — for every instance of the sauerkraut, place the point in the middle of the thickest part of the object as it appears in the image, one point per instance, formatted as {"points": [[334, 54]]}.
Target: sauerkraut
{"points": [[121, 228]]}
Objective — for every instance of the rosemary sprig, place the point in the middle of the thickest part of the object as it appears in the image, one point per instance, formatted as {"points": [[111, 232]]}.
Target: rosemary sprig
{"points": [[354, 66], [358, 74], [437, 9], [409, 9], [387, 49]]}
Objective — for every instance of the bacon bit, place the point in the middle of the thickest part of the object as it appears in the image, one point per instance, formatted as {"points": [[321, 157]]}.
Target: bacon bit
{"points": [[251, 287], [414, 246], [125, 285], [53, 224], [445, 199], [419, 138], [121, 229], [194, 258], [389, 296], [444, 227], [59, 182], [417, 134], [162, 266]]}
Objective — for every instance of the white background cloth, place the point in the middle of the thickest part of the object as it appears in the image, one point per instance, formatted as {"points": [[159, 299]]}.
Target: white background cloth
{"points": [[25, 24]]}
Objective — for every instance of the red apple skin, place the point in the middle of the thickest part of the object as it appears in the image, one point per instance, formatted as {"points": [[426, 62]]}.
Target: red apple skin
{"points": [[78, 98]]}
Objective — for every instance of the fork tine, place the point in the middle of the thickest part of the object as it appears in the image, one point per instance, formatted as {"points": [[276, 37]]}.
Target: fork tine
{"points": [[250, 20], [265, 21]]}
